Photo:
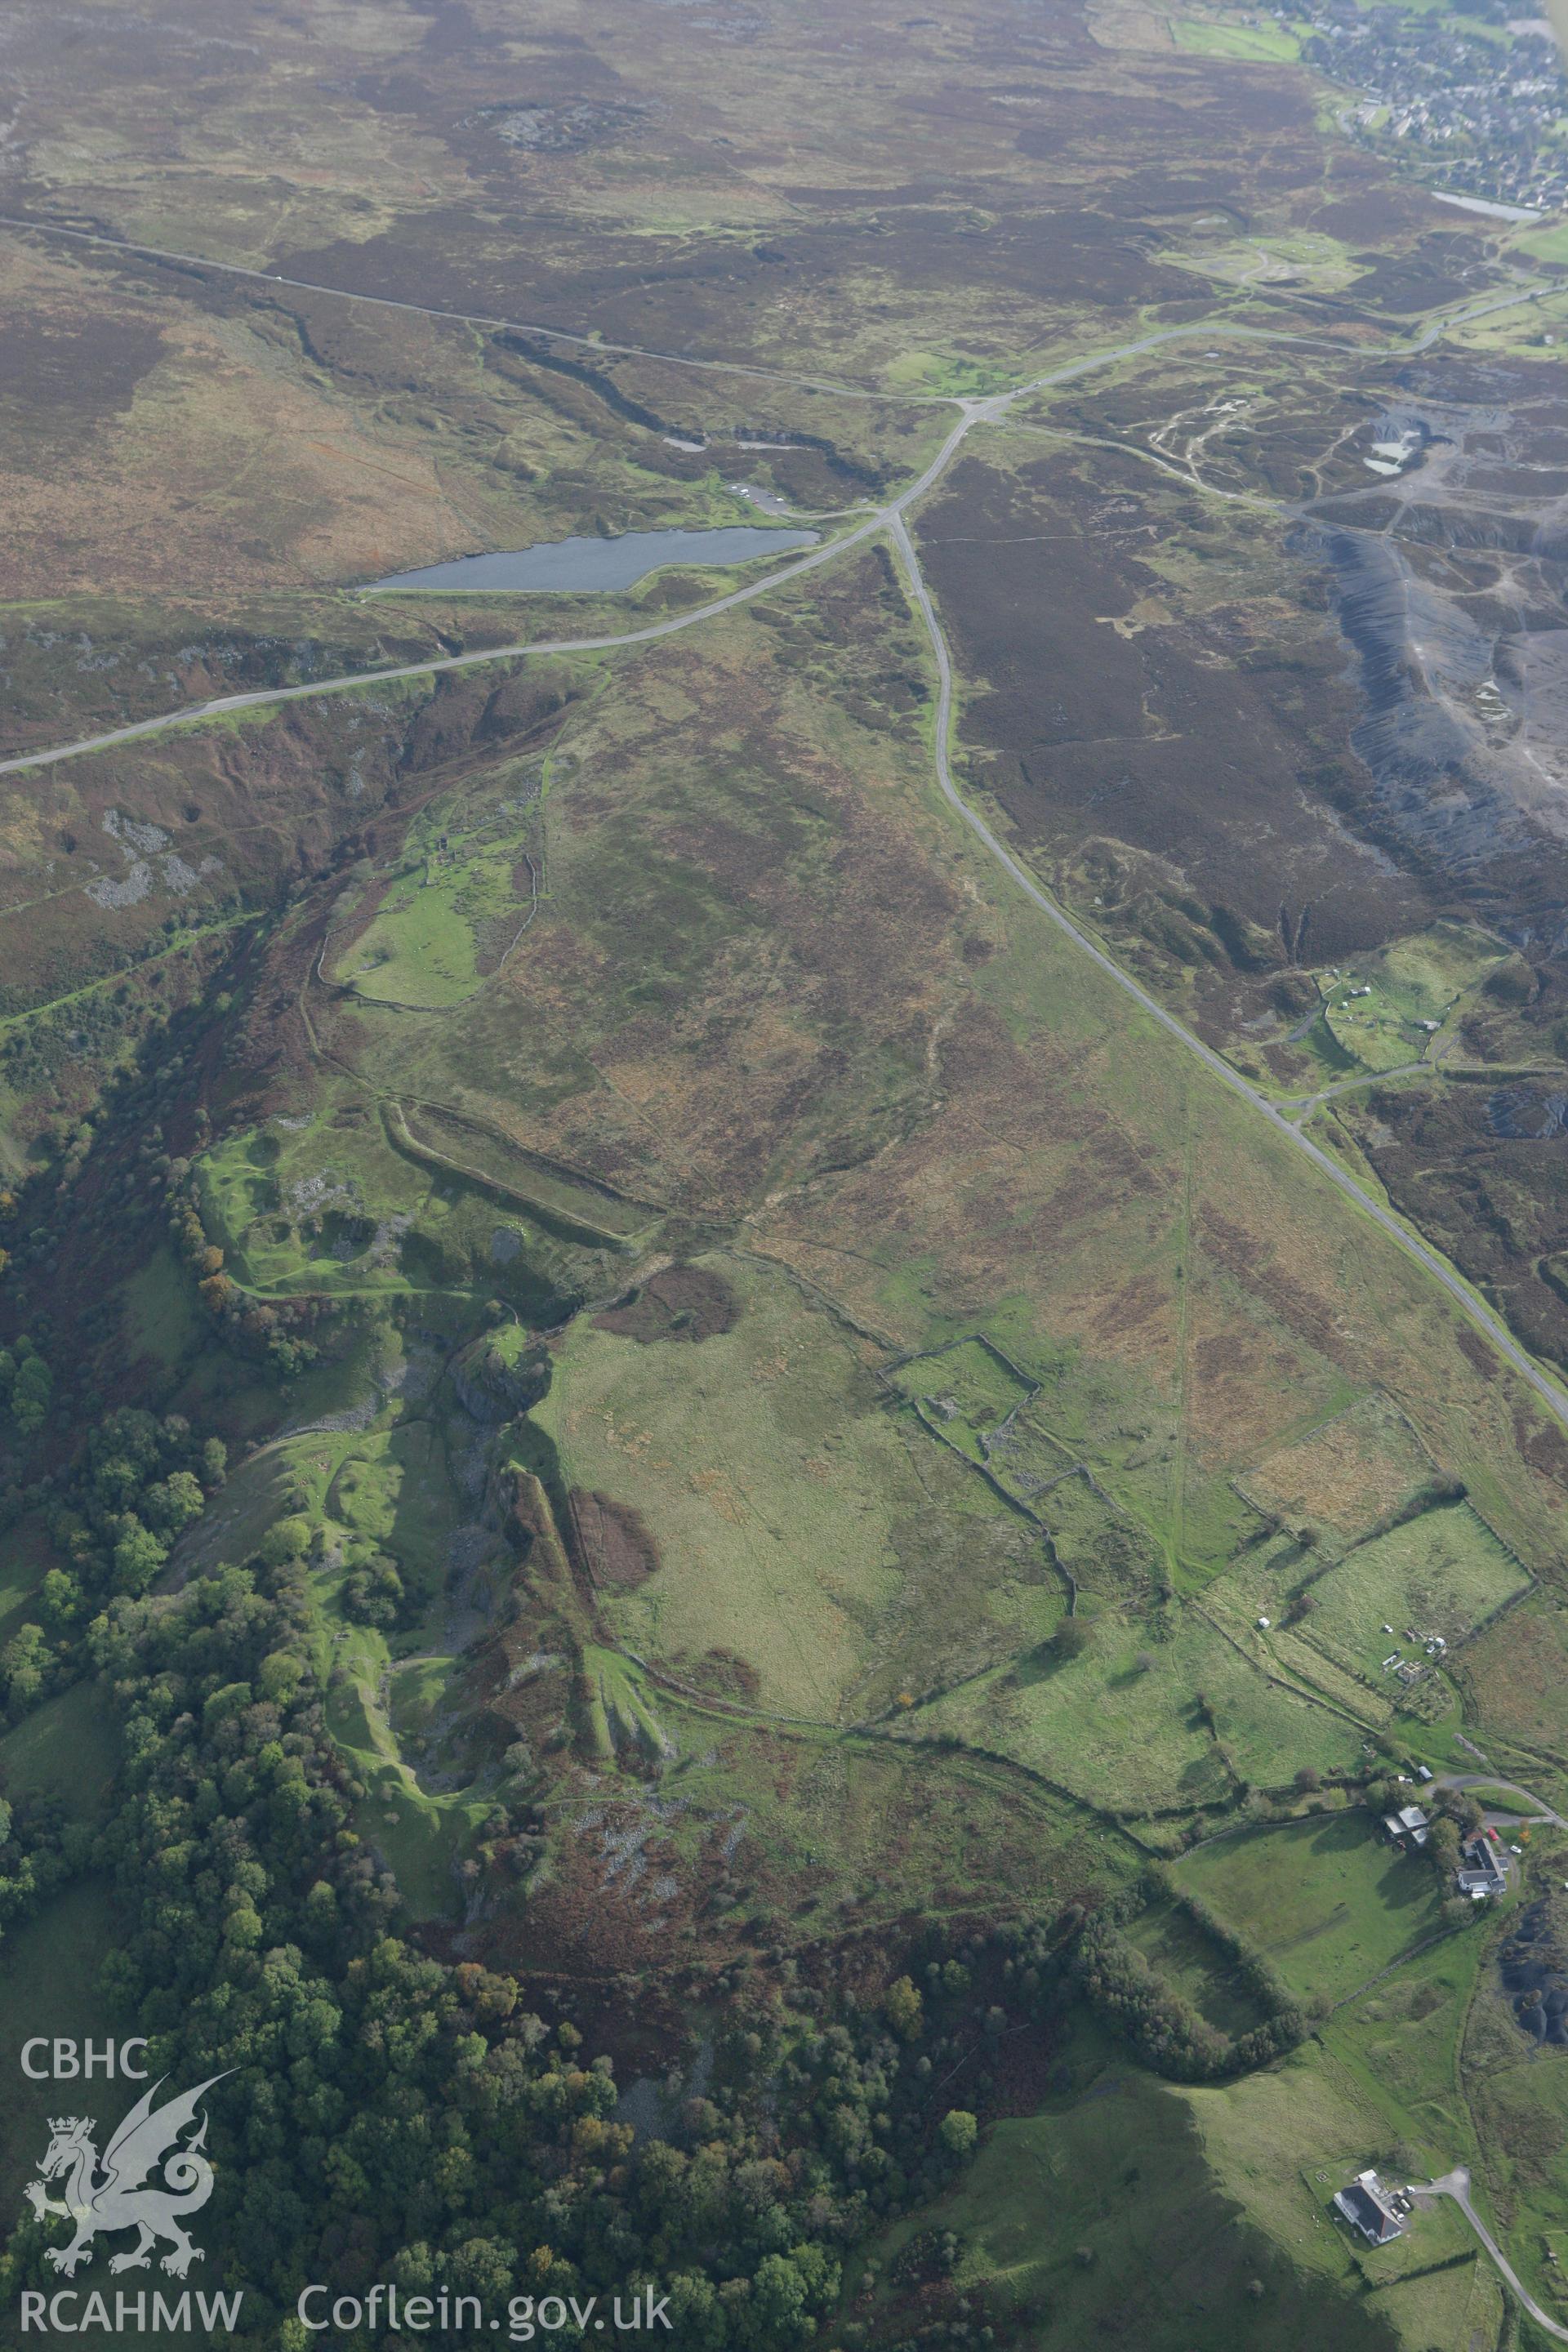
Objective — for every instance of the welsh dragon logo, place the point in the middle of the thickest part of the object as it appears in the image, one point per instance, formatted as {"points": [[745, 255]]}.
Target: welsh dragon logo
{"points": [[148, 2137]]}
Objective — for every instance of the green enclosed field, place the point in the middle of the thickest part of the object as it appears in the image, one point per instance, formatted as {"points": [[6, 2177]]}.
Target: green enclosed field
{"points": [[1326, 1899], [409, 1815], [967, 1392], [68, 1748], [1441, 1574], [49, 1984], [1142, 1722], [1346, 1476], [1282, 2140], [26, 1558], [160, 1317], [458, 900], [789, 1509], [1131, 2211], [1263, 43], [1400, 2041], [1194, 1964]]}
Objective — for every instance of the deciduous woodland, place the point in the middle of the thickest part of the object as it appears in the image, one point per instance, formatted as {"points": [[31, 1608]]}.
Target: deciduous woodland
{"points": [[784, 1353]]}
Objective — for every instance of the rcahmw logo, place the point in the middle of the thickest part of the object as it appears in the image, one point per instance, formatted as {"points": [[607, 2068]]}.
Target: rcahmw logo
{"points": [[148, 2179]]}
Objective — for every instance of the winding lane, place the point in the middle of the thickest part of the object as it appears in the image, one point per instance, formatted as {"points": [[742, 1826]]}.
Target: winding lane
{"points": [[1456, 2185], [1473, 1309], [972, 412], [892, 518], [462, 318]]}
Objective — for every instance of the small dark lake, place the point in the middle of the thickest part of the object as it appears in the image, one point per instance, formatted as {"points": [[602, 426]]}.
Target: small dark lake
{"points": [[580, 565]]}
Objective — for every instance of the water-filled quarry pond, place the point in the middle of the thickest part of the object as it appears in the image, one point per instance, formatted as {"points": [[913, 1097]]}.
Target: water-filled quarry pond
{"points": [[580, 565]]}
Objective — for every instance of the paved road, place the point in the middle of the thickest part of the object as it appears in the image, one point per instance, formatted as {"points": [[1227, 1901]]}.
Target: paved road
{"points": [[589, 342], [1301, 1108], [463, 318], [1478, 1314], [1539, 1810], [972, 411], [1456, 2185], [222, 706]]}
